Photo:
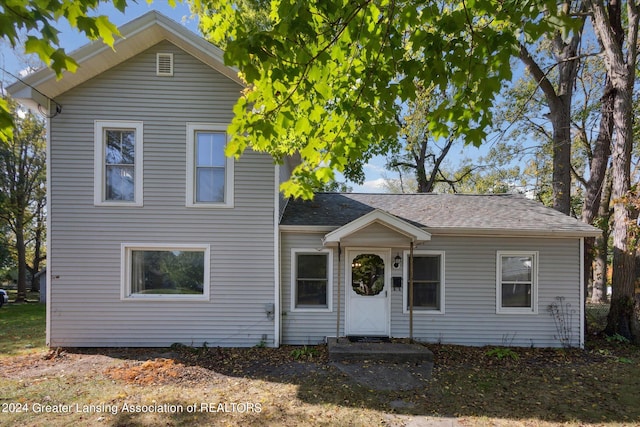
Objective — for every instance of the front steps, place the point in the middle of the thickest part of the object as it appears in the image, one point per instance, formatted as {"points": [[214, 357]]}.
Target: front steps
{"points": [[343, 350]]}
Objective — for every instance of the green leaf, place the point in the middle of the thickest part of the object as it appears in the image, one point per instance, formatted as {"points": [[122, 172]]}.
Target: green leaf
{"points": [[106, 30], [60, 61], [6, 122], [39, 47]]}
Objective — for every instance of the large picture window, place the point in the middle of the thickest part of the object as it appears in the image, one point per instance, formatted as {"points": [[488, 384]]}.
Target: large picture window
{"points": [[118, 163], [155, 272], [428, 281], [311, 280], [209, 171], [517, 282]]}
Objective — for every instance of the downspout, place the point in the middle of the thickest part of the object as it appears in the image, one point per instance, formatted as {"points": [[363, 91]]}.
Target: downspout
{"points": [[582, 296], [339, 290], [276, 259], [411, 292]]}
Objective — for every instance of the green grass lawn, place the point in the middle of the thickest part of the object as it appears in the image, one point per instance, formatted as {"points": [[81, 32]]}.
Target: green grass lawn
{"points": [[22, 329]]}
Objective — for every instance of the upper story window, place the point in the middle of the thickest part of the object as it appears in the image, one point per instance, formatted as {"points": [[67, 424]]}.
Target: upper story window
{"points": [[118, 163], [517, 282], [209, 171]]}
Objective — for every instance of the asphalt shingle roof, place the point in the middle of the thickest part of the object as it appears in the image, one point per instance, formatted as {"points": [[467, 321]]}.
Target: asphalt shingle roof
{"points": [[437, 211]]}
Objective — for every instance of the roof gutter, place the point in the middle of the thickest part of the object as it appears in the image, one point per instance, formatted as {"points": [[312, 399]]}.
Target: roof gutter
{"points": [[460, 231]]}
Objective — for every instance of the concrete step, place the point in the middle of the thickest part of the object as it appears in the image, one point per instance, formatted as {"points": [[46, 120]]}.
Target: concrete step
{"points": [[341, 349]]}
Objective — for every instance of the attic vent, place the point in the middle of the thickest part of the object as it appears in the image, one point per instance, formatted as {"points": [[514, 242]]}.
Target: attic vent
{"points": [[164, 64]]}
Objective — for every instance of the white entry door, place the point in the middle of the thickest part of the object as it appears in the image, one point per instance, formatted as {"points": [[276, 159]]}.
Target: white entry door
{"points": [[367, 289]]}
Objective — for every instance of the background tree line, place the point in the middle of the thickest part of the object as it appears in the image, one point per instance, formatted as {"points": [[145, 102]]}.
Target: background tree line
{"points": [[23, 201]]}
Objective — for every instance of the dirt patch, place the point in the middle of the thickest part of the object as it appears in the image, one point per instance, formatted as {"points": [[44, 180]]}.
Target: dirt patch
{"points": [[49, 364], [158, 371]]}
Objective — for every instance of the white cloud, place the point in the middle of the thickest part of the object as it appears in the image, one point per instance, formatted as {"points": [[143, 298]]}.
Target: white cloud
{"points": [[371, 186], [375, 168]]}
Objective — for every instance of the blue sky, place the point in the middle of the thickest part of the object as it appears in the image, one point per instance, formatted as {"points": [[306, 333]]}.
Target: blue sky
{"points": [[71, 39]]}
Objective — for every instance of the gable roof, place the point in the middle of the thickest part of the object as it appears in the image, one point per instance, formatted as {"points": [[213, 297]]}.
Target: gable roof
{"points": [[495, 214], [96, 57], [407, 232]]}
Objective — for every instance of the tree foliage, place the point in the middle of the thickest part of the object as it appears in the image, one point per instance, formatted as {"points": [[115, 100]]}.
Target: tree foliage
{"points": [[325, 78]]}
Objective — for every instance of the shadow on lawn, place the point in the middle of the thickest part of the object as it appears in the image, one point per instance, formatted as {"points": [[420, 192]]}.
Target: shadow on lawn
{"points": [[582, 386]]}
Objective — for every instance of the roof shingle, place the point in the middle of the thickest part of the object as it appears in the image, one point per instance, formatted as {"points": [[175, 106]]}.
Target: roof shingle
{"points": [[462, 212]]}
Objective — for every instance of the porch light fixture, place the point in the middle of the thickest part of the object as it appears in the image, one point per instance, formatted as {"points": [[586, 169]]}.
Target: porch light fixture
{"points": [[396, 261]]}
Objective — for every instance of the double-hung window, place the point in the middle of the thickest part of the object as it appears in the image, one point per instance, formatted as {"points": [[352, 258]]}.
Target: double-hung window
{"points": [[428, 281], [517, 288], [209, 170], [118, 163], [311, 280], [161, 272]]}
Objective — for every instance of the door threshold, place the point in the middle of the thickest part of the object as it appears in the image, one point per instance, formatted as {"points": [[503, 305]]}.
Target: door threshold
{"points": [[367, 338]]}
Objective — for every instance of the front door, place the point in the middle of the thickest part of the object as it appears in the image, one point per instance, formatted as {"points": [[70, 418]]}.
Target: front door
{"points": [[367, 289]]}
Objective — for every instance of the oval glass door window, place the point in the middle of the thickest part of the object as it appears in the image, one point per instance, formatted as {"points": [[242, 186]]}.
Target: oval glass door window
{"points": [[367, 274]]}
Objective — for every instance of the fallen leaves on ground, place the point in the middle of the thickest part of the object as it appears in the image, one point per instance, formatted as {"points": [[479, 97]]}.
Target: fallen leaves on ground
{"points": [[538, 387]]}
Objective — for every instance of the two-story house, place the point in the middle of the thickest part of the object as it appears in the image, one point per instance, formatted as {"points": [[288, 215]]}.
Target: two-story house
{"points": [[155, 237]]}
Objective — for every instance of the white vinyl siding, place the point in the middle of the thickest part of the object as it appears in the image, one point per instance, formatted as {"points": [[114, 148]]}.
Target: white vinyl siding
{"points": [[311, 280], [428, 282], [210, 174], [86, 240], [118, 163], [156, 272]]}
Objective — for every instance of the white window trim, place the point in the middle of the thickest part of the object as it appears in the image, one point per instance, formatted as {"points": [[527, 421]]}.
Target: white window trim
{"points": [[125, 271], [191, 169], [405, 283], [294, 288], [99, 158], [534, 285]]}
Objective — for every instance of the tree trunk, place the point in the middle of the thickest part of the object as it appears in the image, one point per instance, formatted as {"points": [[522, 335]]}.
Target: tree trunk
{"points": [[559, 100], [566, 53], [424, 186], [22, 260], [601, 249], [621, 64], [594, 197], [38, 240], [600, 159], [621, 319], [561, 177]]}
